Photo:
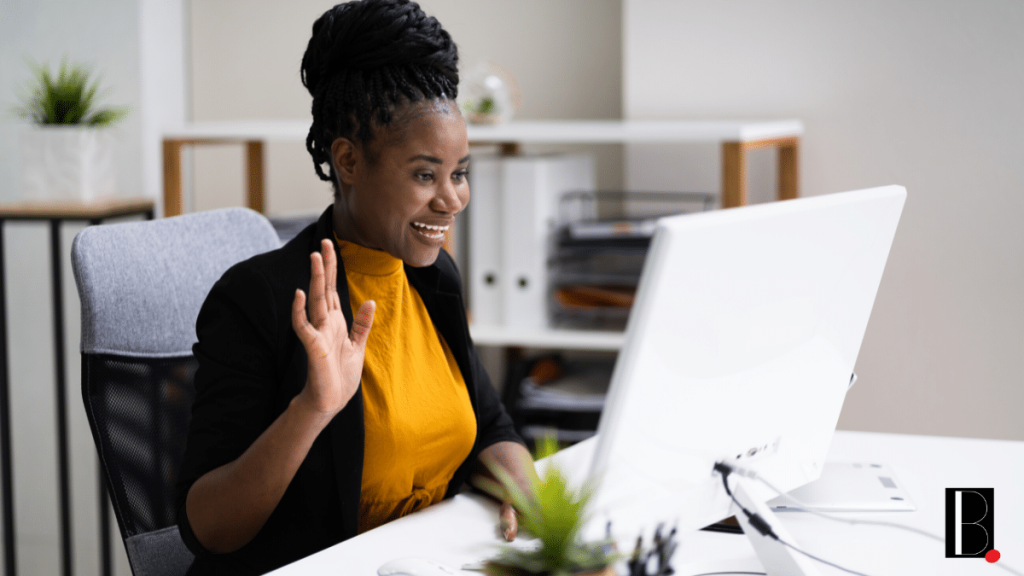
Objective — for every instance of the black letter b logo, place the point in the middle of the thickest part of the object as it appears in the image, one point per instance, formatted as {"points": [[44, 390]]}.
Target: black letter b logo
{"points": [[969, 522]]}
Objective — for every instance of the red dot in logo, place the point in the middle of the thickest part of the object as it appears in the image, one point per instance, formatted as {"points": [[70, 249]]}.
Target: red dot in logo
{"points": [[992, 556]]}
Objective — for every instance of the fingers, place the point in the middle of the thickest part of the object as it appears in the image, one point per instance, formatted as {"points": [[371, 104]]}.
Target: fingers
{"points": [[508, 521], [317, 305], [362, 322], [303, 329], [331, 270]]}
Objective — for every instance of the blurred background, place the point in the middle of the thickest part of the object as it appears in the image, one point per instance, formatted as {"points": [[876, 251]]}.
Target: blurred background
{"points": [[923, 93]]}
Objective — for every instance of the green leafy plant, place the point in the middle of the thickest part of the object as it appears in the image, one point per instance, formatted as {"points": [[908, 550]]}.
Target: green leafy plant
{"points": [[554, 513], [486, 105], [66, 97], [484, 110]]}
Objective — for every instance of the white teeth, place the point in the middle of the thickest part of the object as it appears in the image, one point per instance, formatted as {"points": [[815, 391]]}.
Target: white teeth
{"points": [[429, 227]]}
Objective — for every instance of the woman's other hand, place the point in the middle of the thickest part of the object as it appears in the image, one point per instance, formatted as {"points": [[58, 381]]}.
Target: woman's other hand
{"points": [[514, 459], [508, 521], [334, 356]]}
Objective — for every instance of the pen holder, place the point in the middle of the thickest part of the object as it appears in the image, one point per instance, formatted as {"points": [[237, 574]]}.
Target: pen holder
{"points": [[656, 561]]}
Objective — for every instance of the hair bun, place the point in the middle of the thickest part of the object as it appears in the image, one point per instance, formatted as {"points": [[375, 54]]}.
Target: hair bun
{"points": [[373, 34]]}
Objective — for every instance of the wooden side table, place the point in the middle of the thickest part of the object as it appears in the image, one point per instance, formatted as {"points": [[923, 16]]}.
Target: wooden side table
{"points": [[55, 213]]}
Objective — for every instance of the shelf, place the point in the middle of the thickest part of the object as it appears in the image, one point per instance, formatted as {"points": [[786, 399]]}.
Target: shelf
{"points": [[539, 132], [234, 130], [547, 338], [626, 131], [735, 137]]}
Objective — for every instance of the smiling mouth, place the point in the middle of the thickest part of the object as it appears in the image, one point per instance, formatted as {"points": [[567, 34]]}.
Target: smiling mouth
{"points": [[429, 230]]}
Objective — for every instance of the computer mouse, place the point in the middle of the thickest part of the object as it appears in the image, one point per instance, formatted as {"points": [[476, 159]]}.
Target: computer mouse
{"points": [[415, 567]]}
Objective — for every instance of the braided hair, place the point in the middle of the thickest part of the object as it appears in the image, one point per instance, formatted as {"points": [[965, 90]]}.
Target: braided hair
{"points": [[365, 60]]}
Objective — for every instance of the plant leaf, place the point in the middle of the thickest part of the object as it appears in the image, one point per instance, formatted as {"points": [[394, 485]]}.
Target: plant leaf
{"points": [[554, 513], [66, 97], [107, 116]]}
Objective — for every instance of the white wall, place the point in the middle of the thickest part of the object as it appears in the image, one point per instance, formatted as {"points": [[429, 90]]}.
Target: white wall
{"points": [[163, 86], [923, 93], [245, 57]]}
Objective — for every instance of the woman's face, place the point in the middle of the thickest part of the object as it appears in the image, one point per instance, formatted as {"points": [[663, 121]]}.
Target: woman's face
{"points": [[405, 198]]}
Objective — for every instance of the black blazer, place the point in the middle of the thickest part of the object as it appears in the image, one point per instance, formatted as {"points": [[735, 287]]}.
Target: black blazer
{"points": [[251, 365]]}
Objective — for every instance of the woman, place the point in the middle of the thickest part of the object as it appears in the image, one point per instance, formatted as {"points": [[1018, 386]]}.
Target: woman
{"points": [[304, 432]]}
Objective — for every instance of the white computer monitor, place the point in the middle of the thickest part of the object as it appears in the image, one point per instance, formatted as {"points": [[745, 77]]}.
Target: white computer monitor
{"points": [[740, 346]]}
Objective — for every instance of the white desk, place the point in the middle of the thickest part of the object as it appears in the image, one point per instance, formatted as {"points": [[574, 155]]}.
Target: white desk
{"points": [[464, 529]]}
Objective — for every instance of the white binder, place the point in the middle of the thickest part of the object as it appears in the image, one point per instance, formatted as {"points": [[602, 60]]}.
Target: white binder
{"points": [[531, 188], [485, 237]]}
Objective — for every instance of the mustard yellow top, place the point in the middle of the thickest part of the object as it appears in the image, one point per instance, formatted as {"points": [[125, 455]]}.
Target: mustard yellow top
{"points": [[419, 422]]}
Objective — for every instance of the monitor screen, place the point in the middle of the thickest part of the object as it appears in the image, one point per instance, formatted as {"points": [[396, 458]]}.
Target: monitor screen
{"points": [[740, 346]]}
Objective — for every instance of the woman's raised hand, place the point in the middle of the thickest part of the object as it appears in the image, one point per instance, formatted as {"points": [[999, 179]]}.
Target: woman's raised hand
{"points": [[335, 357]]}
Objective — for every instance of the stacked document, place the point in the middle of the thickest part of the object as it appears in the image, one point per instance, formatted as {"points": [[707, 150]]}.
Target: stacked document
{"points": [[612, 229], [597, 261], [583, 389]]}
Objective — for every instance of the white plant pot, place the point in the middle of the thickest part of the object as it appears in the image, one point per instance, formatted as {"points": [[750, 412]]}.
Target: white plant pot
{"points": [[67, 163]]}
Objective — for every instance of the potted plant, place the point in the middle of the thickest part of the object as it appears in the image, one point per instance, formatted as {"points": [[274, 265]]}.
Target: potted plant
{"points": [[68, 153], [489, 94], [554, 513]]}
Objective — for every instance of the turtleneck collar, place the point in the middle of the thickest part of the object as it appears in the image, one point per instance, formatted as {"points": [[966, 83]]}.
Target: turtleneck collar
{"points": [[367, 261]]}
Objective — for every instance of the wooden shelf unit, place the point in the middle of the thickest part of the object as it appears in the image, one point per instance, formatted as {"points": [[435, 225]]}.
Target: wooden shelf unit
{"points": [[735, 138]]}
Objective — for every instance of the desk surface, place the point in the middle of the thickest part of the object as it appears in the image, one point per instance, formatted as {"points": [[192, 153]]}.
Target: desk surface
{"points": [[463, 530], [550, 131]]}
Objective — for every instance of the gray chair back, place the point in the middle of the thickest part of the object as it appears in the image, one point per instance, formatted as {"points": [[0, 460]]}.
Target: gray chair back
{"points": [[141, 285]]}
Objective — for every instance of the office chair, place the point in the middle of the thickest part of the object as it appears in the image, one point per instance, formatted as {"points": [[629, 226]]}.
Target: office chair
{"points": [[141, 285]]}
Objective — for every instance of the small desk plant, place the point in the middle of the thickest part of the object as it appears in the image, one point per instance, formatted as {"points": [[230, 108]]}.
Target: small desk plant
{"points": [[68, 153], [489, 94], [554, 513]]}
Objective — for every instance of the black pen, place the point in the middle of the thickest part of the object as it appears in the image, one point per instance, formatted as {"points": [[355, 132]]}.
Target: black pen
{"points": [[634, 564]]}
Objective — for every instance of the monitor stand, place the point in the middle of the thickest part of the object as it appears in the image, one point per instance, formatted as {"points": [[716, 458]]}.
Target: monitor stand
{"points": [[777, 559]]}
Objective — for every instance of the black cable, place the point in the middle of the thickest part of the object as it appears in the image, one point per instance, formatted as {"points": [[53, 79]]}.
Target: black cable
{"points": [[763, 527], [756, 521]]}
